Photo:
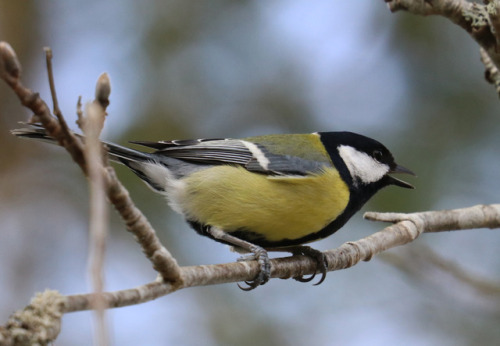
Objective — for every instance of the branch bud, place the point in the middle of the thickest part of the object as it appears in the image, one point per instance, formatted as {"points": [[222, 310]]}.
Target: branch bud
{"points": [[103, 90], [9, 64]]}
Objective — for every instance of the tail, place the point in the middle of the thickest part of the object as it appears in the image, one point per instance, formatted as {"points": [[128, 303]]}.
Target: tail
{"points": [[116, 152], [152, 168]]}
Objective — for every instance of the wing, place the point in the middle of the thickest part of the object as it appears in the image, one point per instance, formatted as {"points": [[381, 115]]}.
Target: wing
{"points": [[254, 157]]}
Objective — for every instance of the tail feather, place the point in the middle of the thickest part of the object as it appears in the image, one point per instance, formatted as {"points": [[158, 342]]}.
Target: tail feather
{"points": [[144, 165], [116, 152], [123, 155]]}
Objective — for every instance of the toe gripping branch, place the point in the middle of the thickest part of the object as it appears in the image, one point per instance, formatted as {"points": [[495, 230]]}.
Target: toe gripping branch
{"points": [[259, 253], [262, 257], [265, 269], [318, 256]]}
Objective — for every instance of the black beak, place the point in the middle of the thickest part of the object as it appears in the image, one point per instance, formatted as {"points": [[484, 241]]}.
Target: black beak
{"points": [[398, 182]]}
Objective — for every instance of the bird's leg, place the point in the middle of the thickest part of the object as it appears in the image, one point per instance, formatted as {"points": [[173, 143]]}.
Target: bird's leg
{"points": [[318, 256], [260, 255]]}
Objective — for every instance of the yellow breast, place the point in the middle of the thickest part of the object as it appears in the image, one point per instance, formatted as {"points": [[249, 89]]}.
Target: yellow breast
{"points": [[274, 207]]}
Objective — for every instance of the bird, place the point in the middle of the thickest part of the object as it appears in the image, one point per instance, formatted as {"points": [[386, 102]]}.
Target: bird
{"points": [[262, 193]]}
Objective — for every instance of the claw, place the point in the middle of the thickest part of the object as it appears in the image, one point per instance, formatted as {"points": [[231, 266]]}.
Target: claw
{"points": [[258, 253], [264, 272], [250, 287], [322, 264], [323, 276], [302, 278]]}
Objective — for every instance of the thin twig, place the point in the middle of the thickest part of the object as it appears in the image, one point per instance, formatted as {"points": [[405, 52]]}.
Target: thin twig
{"points": [[53, 93], [10, 72], [79, 113]]}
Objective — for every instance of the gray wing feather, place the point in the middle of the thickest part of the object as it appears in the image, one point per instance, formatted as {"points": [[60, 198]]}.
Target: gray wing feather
{"points": [[233, 151], [189, 155], [225, 151]]}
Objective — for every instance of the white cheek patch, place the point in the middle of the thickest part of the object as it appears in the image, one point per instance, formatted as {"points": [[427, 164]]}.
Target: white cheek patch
{"points": [[362, 167]]}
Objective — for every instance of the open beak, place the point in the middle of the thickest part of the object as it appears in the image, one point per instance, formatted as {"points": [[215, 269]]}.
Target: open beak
{"points": [[398, 182]]}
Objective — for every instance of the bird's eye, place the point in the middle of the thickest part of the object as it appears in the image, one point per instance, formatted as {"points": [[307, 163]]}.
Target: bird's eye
{"points": [[378, 155]]}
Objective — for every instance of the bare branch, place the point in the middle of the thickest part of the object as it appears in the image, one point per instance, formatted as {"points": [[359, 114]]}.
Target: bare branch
{"points": [[407, 229], [482, 22], [33, 101], [136, 222], [479, 216]]}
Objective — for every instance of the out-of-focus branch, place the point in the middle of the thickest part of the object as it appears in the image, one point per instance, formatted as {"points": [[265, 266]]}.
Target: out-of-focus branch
{"points": [[37, 324], [429, 267], [481, 21], [491, 74], [98, 218]]}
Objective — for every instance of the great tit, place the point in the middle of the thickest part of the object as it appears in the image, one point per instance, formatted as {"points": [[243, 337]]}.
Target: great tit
{"points": [[273, 192]]}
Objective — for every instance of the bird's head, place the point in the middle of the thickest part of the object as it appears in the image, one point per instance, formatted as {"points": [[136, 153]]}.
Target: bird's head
{"points": [[368, 162]]}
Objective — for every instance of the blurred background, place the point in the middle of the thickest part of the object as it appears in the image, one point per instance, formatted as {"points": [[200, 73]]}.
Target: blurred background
{"points": [[190, 69]]}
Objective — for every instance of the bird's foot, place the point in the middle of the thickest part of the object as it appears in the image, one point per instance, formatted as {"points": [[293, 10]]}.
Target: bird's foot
{"points": [[264, 274], [318, 256]]}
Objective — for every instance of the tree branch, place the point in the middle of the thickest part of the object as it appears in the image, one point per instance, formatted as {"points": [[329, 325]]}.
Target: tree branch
{"points": [[407, 228], [479, 216], [482, 22]]}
